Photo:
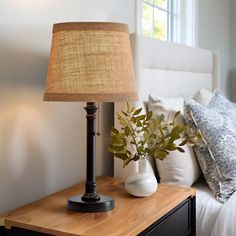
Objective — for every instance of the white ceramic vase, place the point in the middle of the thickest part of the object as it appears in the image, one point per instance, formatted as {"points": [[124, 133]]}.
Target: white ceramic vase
{"points": [[142, 183]]}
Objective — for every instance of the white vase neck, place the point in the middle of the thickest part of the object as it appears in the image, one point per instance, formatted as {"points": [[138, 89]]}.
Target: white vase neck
{"points": [[142, 166]]}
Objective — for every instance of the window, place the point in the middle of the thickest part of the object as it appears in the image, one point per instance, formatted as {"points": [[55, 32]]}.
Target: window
{"points": [[157, 18], [172, 20]]}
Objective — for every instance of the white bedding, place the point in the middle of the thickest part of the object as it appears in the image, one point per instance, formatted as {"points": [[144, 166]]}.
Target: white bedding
{"points": [[207, 209], [225, 224], [214, 218]]}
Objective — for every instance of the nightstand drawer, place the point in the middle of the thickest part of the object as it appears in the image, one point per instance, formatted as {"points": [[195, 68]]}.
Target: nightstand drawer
{"points": [[175, 223]]}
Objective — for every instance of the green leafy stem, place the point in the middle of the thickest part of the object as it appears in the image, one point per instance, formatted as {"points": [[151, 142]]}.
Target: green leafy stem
{"points": [[143, 135]]}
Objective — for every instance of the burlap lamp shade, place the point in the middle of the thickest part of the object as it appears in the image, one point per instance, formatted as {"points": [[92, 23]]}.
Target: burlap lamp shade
{"points": [[90, 61]]}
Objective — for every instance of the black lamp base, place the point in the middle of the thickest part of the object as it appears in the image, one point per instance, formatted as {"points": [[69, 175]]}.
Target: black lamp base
{"points": [[90, 201], [105, 203]]}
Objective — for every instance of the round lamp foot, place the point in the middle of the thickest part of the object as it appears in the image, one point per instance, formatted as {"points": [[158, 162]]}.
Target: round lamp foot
{"points": [[75, 203]]}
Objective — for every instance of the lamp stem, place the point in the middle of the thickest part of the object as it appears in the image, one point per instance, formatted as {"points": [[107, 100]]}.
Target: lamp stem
{"points": [[90, 185], [90, 201]]}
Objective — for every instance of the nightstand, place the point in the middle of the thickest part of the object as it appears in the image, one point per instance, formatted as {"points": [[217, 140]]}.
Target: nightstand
{"points": [[168, 212]]}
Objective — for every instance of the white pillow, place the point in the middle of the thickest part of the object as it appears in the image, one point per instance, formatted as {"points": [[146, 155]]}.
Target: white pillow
{"points": [[177, 168], [203, 96]]}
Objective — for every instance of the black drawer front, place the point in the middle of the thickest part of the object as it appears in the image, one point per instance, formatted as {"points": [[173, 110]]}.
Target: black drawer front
{"points": [[21, 232], [177, 223]]}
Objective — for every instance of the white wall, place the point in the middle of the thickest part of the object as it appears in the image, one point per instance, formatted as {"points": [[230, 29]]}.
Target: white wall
{"points": [[214, 30], [42, 145], [232, 77]]}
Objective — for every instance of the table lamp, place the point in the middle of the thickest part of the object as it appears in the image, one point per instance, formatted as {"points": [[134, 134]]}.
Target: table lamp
{"points": [[90, 62]]}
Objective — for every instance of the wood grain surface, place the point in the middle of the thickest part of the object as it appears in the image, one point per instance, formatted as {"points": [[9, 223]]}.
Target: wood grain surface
{"points": [[130, 216]]}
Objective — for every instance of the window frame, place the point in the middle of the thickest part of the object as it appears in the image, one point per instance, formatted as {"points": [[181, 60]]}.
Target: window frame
{"points": [[170, 14], [187, 23]]}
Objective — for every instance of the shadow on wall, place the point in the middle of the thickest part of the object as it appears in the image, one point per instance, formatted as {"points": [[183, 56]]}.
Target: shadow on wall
{"points": [[19, 67], [41, 149], [23, 165], [232, 85]]}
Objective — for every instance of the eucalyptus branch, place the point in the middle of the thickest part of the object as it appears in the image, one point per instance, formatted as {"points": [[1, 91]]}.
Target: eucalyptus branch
{"points": [[143, 135]]}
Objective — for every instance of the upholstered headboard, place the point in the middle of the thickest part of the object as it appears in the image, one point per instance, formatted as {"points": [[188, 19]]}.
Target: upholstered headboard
{"points": [[169, 70]]}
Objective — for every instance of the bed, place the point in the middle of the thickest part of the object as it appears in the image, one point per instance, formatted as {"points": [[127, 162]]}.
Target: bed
{"points": [[172, 70]]}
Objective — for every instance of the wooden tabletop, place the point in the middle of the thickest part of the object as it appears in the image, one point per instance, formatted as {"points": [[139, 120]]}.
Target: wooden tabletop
{"points": [[130, 216]]}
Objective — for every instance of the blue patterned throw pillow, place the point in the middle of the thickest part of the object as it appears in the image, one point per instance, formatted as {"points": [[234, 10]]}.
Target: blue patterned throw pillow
{"points": [[216, 152]]}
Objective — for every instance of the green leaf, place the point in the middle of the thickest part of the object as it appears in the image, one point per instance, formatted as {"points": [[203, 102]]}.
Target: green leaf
{"points": [[109, 149], [191, 144], [128, 153], [161, 132], [126, 162], [140, 149], [117, 148], [180, 149], [140, 118], [139, 124], [149, 115], [127, 131], [176, 114], [171, 147], [122, 156], [114, 130], [151, 152], [136, 157], [121, 119], [128, 107], [117, 142], [153, 136], [138, 111], [183, 143], [125, 113], [160, 154], [176, 131]]}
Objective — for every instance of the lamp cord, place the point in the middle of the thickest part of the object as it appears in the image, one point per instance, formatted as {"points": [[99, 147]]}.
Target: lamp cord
{"points": [[98, 119]]}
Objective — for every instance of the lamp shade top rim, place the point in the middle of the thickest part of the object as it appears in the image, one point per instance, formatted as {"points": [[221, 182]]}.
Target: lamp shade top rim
{"points": [[85, 26]]}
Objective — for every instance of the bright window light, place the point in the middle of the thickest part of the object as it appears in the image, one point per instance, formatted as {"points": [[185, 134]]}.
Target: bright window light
{"points": [[171, 20]]}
